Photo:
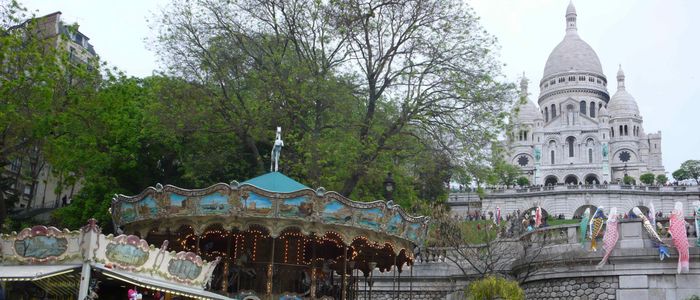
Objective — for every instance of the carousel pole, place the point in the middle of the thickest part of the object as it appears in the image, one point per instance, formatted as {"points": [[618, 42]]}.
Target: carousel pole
{"points": [[227, 262], [312, 290], [410, 284], [398, 284], [269, 269], [343, 283], [393, 282]]}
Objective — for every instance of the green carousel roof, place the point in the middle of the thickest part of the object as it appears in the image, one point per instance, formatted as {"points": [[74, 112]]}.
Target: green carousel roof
{"points": [[276, 182]]}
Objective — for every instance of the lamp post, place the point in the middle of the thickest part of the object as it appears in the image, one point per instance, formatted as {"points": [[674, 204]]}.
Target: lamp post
{"points": [[389, 186]]}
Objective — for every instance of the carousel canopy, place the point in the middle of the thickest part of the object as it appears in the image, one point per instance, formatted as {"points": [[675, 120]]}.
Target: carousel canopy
{"points": [[273, 201], [276, 182]]}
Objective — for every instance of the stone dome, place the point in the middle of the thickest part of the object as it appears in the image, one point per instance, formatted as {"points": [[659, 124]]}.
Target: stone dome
{"points": [[572, 53], [527, 111], [622, 103], [603, 112]]}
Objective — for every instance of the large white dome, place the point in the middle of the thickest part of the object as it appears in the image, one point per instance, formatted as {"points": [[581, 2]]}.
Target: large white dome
{"points": [[572, 54]]}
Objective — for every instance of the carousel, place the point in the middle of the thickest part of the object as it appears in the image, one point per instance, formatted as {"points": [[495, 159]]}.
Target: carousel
{"points": [[275, 238]]}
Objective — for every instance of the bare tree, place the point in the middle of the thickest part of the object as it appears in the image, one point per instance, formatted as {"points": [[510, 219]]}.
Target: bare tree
{"points": [[418, 69]]}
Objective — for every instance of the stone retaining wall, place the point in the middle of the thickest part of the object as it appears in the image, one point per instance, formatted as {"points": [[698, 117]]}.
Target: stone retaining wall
{"points": [[417, 295], [573, 288]]}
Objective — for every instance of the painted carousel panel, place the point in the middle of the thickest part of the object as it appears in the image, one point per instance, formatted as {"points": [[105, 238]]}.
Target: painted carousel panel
{"points": [[127, 212], [179, 205], [41, 246], [299, 207], [395, 224], [126, 254], [184, 269], [336, 212], [258, 205], [147, 208], [371, 218], [214, 204]]}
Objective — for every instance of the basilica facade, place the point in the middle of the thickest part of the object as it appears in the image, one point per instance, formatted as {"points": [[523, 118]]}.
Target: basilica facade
{"points": [[579, 133]]}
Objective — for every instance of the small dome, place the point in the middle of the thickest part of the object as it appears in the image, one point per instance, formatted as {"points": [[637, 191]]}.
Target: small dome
{"points": [[622, 103], [603, 112], [528, 111]]}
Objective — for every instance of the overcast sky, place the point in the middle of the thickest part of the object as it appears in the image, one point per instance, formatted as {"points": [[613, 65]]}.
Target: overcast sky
{"points": [[657, 43]]}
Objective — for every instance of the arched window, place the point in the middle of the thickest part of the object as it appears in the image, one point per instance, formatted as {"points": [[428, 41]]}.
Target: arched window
{"points": [[551, 156], [570, 143], [554, 111], [612, 132], [592, 113], [622, 133], [626, 132], [546, 114], [582, 107], [590, 155]]}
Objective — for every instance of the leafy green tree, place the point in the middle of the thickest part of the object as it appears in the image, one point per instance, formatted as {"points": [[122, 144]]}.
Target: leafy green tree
{"points": [[661, 179], [523, 181], [628, 180], [680, 175], [106, 140], [647, 178], [494, 287], [690, 169], [36, 87]]}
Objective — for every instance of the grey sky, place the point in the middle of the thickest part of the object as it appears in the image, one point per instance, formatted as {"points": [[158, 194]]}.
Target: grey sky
{"points": [[657, 43]]}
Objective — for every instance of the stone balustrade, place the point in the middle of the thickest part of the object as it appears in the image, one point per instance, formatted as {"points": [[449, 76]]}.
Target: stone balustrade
{"points": [[558, 267]]}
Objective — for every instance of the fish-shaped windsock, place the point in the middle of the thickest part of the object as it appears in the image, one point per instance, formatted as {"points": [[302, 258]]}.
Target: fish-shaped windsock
{"points": [[680, 237], [596, 227], [497, 216], [611, 235], [655, 238], [583, 227], [538, 216], [697, 222]]}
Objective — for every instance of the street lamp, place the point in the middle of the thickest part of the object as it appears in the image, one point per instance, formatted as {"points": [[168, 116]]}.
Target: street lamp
{"points": [[389, 186]]}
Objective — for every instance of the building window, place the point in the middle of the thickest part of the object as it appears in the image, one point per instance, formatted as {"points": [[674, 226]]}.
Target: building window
{"points": [[16, 165], [27, 190], [582, 107], [570, 143], [625, 156], [591, 79], [572, 78], [552, 82], [562, 79], [592, 110], [551, 156], [603, 135], [582, 78], [612, 132], [622, 133], [554, 111], [626, 132], [590, 155], [546, 114], [523, 160]]}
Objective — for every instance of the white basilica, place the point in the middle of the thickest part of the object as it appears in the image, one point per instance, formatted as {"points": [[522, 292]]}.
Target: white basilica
{"points": [[579, 133]]}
